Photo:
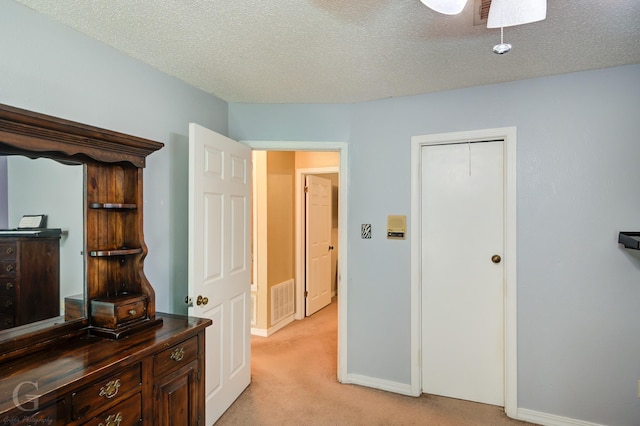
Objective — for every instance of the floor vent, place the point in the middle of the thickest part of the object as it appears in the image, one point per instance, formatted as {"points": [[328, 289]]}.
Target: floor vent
{"points": [[282, 301]]}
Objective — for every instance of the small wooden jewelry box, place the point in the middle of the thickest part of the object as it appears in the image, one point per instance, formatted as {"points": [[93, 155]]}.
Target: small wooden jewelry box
{"points": [[116, 311]]}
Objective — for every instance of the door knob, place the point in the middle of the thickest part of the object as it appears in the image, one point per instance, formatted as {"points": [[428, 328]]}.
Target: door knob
{"points": [[330, 247], [496, 258], [202, 300]]}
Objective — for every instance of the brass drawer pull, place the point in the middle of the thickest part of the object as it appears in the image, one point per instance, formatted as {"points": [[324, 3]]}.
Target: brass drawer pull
{"points": [[8, 303], [9, 268], [111, 389], [9, 286], [177, 355], [9, 250], [132, 312], [112, 420]]}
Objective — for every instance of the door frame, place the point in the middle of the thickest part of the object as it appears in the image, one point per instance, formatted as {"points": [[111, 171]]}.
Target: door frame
{"points": [[300, 235], [343, 208], [508, 134]]}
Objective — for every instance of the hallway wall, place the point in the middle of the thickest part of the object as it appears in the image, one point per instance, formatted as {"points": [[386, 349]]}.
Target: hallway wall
{"points": [[577, 151]]}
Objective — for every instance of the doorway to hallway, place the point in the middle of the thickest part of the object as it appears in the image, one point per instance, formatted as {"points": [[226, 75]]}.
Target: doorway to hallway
{"points": [[295, 244], [343, 207]]}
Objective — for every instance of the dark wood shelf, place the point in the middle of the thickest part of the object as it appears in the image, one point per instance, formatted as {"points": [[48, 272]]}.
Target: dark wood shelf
{"points": [[113, 206], [630, 240], [115, 252]]}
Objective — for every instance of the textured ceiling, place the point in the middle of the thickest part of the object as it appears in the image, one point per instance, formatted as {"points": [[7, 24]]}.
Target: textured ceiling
{"points": [[341, 51]]}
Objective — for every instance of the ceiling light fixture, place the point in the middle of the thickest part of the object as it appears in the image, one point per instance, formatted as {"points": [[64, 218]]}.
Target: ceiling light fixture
{"points": [[507, 13], [447, 7]]}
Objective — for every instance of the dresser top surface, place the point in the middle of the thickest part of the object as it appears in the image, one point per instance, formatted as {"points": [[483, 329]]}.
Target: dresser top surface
{"points": [[76, 361]]}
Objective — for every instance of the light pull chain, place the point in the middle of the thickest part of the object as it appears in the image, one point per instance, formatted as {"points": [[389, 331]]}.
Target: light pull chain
{"points": [[503, 47]]}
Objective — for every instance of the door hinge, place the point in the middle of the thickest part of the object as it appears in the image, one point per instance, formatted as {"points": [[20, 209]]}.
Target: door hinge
{"points": [[306, 189], [198, 375], [306, 294]]}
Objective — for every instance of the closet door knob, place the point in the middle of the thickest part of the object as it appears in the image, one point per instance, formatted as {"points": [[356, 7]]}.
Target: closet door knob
{"points": [[496, 258]]}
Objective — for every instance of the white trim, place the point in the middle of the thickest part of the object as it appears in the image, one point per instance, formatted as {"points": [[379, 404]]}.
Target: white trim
{"points": [[375, 383], [343, 214], [254, 308], [510, 346], [269, 331], [259, 250], [546, 419], [300, 244]]}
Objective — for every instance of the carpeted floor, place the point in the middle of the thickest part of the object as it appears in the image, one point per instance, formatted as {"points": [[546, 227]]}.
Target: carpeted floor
{"points": [[293, 382]]}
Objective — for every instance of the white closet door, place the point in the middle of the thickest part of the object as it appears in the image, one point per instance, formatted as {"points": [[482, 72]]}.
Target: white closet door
{"points": [[462, 287]]}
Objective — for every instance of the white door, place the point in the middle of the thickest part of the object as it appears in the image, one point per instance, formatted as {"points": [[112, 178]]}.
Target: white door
{"points": [[462, 286], [318, 243], [219, 268]]}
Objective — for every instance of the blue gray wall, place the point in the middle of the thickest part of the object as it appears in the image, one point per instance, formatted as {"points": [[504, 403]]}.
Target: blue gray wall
{"points": [[578, 291], [52, 69], [577, 183]]}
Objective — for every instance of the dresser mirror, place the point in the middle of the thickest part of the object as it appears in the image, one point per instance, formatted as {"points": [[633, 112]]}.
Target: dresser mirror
{"points": [[46, 186], [102, 172]]}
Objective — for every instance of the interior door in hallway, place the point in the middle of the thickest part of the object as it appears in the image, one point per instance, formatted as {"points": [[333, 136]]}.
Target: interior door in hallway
{"points": [[318, 243], [219, 267], [462, 222]]}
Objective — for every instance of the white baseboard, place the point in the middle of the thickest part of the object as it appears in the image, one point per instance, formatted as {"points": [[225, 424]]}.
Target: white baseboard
{"points": [[546, 419], [262, 332], [536, 417], [386, 385], [266, 332]]}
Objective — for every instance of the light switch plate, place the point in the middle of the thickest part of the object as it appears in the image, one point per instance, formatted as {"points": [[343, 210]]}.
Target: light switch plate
{"points": [[365, 231]]}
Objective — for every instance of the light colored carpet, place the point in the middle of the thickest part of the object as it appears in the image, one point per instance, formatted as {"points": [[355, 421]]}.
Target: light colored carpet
{"points": [[293, 382]]}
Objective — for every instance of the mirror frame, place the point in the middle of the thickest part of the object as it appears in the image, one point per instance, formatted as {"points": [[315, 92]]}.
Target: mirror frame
{"points": [[36, 135]]}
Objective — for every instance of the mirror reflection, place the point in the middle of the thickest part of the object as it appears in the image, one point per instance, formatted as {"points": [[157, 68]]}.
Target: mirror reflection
{"points": [[34, 187]]}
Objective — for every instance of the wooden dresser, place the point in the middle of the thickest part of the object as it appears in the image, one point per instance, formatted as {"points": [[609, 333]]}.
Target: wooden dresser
{"points": [[152, 377], [29, 279], [110, 360]]}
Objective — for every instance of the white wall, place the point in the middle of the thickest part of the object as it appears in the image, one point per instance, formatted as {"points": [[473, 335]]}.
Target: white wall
{"points": [[578, 291], [52, 69]]}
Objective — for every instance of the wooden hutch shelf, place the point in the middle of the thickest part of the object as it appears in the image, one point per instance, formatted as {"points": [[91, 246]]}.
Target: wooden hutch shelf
{"points": [[86, 373], [115, 252], [113, 206]]}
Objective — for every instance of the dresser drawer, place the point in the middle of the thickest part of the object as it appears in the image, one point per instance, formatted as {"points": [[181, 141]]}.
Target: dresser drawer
{"points": [[53, 414], [7, 268], [8, 250], [126, 413], [175, 357], [7, 286], [110, 390], [6, 320], [7, 303], [112, 312]]}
